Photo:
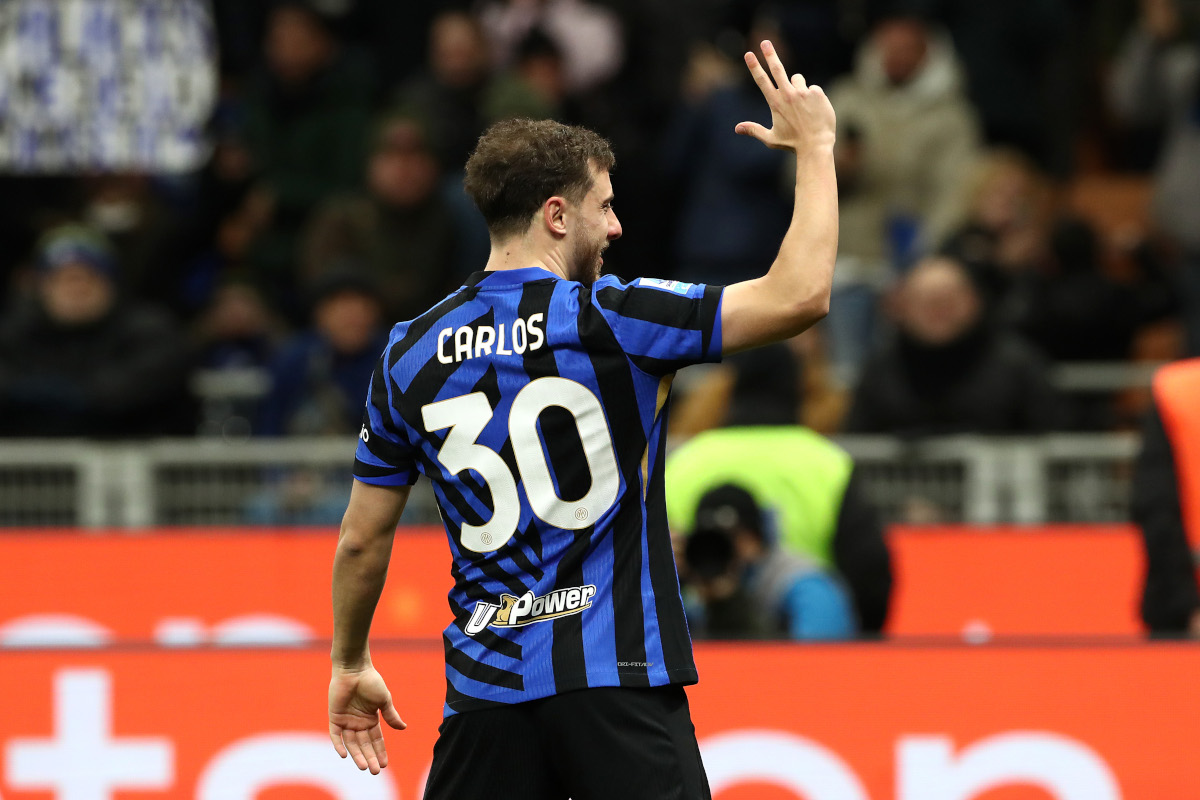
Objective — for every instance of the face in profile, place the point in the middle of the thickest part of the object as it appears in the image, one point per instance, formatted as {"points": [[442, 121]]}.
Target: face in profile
{"points": [[596, 225]]}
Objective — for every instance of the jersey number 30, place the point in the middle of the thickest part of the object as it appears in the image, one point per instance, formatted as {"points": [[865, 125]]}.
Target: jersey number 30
{"points": [[468, 414]]}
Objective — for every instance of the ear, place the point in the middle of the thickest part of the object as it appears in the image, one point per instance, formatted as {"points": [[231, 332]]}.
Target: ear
{"points": [[554, 215]]}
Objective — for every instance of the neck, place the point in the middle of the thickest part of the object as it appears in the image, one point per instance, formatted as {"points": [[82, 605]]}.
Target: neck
{"points": [[519, 252]]}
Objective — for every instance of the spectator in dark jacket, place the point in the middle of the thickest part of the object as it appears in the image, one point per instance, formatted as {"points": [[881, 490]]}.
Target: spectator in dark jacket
{"points": [[1071, 309], [460, 94], [321, 375], [77, 361], [403, 231], [948, 371], [306, 124], [733, 209]]}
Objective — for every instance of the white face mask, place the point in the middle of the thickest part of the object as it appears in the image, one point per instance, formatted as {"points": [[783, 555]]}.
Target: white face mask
{"points": [[114, 216]]}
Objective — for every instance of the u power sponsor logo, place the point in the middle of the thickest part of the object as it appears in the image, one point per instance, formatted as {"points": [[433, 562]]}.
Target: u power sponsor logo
{"points": [[513, 612]]}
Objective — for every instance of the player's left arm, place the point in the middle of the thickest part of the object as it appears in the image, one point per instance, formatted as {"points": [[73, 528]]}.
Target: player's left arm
{"points": [[357, 693]]}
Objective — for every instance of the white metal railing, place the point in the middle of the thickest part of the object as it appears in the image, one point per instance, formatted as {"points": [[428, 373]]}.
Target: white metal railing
{"points": [[1057, 478], [1086, 377], [1069, 376]]}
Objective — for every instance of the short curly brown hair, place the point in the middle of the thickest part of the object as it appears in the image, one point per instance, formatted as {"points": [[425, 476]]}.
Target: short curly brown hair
{"points": [[519, 163]]}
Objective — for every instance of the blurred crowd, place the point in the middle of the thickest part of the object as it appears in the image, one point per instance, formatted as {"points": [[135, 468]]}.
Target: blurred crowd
{"points": [[1019, 184]]}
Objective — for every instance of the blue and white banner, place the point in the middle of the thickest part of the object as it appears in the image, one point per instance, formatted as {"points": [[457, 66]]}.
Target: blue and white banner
{"points": [[105, 84]]}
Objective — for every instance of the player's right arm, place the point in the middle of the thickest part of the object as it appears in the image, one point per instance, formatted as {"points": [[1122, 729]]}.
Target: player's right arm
{"points": [[357, 693], [794, 294]]}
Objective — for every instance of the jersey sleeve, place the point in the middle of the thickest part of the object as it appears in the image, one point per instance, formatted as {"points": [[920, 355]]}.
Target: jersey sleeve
{"points": [[384, 456], [663, 325]]}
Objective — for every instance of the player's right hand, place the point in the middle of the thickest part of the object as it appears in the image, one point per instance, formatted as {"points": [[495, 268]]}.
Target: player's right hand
{"points": [[356, 699], [802, 118]]}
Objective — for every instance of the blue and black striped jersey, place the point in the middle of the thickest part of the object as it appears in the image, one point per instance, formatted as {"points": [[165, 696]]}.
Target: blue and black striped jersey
{"points": [[537, 407]]}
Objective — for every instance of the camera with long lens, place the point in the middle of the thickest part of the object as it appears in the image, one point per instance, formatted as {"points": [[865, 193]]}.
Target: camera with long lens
{"points": [[709, 552]]}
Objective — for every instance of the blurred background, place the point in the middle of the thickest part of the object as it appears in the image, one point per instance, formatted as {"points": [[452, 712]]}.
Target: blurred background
{"points": [[212, 211]]}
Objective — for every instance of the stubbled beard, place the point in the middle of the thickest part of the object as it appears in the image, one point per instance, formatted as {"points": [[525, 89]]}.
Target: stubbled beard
{"points": [[586, 262]]}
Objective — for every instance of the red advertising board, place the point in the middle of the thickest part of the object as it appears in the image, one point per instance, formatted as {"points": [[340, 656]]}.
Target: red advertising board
{"points": [[776, 722], [1059, 580], [247, 585], [190, 586]]}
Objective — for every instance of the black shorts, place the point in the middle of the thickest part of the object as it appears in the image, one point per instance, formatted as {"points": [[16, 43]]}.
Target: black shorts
{"points": [[592, 744]]}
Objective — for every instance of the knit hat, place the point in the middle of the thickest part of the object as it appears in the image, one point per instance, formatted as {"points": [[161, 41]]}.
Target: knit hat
{"points": [[76, 244]]}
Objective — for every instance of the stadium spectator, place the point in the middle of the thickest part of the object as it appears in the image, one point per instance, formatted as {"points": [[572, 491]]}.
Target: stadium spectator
{"points": [[322, 374], [402, 231], [455, 99], [237, 330], [743, 586], [948, 371], [734, 209], [306, 116], [235, 340], [805, 483], [1070, 308], [587, 34], [1156, 79], [145, 232], [1018, 57], [76, 360], [705, 397], [1004, 234], [460, 94], [907, 138], [1166, 500]]}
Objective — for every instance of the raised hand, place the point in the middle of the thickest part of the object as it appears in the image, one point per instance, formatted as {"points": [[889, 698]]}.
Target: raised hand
{"points": [[801, 116], [356, 700]]}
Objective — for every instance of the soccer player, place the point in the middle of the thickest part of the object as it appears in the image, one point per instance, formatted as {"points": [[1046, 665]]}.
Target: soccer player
{"points": [[534, 398]]}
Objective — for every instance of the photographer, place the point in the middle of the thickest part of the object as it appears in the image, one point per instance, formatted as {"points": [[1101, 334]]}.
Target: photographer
{"points": [[738, 585]]}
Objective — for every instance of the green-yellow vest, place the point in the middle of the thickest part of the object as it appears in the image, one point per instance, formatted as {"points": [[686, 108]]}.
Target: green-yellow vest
{"points": [[795, 474]]}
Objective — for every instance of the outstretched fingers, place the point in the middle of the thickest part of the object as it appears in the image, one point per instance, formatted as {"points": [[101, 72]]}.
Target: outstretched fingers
{"points": [[355, 749], [335, 735], [760, 76], [366, 743], [379, 746], [777, 71]]}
